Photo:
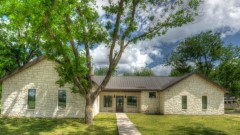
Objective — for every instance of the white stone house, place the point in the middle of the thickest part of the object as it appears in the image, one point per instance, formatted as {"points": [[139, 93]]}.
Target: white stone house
{"points": [[31, 91]]}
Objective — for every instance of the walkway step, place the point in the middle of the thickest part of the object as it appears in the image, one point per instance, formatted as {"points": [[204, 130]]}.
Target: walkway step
{"points": [[125, 126]]}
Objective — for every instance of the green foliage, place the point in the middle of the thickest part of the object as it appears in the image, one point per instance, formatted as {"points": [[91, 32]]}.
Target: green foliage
{"points": [[103, 71], [0, 92], [67, 71], [141, 72], [227, 73], [180, 71], [199, 52], [18, 45]]}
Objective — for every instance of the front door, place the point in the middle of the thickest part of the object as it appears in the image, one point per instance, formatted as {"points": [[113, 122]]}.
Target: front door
{"points": [[119, 103]]}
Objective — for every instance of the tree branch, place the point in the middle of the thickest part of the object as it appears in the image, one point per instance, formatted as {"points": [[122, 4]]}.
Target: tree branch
{"points": [[46, 22], [115, 32], [112, 47], [76, 80], [68, 30], [127, 31], [89, 63]]}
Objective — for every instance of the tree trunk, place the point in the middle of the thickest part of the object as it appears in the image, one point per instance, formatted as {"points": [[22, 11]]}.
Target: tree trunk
{"points": [[89, 110]]}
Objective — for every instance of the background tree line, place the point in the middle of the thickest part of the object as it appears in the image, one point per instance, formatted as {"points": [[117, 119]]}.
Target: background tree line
{"points": [[139, 72], [207, 54]]}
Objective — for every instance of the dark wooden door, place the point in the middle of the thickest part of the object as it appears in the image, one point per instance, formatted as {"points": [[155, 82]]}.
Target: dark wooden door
{"points": [[119, 103]]}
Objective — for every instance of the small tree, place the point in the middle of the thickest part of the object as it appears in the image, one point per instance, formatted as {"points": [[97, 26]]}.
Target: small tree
{"points": [[103, 71], [141, 72], [199, 52], [67, 26]]}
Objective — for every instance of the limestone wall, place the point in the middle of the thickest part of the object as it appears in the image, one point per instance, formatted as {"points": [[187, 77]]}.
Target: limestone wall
{"points": [[194, 87], [42, 77], [149, 105]]}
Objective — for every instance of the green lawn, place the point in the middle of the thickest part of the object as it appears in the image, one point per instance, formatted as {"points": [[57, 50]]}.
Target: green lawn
{"points": [[232, 111], [186, 125], [104, 124]]}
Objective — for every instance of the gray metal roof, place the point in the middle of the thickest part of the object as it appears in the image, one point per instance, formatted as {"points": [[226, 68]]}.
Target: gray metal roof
{"points": [[136, 82]]}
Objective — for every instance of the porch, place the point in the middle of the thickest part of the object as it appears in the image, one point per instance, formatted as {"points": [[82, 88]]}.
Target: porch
{"points": [[129, 102]]}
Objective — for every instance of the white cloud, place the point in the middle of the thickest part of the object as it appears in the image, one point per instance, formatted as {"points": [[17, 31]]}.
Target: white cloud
{"points": [[134, 57], [161, 70], [213, 15], [217, 15]]}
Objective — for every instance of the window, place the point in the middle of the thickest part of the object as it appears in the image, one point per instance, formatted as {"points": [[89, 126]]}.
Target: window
{"points": [[184, 102], [31, 98], [204, 102], [152, 94], [132, 101], [107, 101], [62, 98]]}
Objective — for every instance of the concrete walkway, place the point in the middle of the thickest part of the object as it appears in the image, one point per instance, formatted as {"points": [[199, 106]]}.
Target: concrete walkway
{"points": [[125, 126]]}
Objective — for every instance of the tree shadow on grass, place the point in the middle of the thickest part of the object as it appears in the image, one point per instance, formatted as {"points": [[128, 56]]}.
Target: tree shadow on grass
{"points": [[104, 128], [18, 126], [28, 125], [95, 130], [198, 130], [100, 129]]}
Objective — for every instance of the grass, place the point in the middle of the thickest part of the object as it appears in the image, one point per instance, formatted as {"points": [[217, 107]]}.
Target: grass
{"points": [[104, 124], [229, 111], [186, 125], [232, 111]]}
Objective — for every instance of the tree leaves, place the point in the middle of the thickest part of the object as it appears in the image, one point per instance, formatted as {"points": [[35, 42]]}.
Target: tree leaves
{"points": [[141, 72], [205, 52], [199, 52], [227, 73], [19, 43]]}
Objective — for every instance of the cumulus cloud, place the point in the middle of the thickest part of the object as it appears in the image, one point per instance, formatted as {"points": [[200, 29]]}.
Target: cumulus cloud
{"points": [[161, 70], [216, 15], [134, 57]]}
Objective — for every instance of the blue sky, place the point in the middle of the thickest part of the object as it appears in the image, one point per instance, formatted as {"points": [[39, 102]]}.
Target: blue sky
{"points": [[234, 39], [217, 15]]}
